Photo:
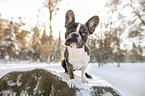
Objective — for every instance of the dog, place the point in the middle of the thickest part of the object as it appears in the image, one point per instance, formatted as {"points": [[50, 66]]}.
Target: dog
{"points": [[77, 53]]}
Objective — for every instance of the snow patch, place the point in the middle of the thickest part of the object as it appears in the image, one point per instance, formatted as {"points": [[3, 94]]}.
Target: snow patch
{"points": [[5, 93], [12, 83], [24, 93], [37, 86]]}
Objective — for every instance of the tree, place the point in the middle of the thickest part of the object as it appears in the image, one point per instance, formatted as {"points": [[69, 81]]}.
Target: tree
{"points": [[9, 48], [137, 52], [44, 48], [21, 38], [58, 49], [44, 38], [52, 5], [92, 45], [132, 22], [35, 45], [23, 44]]}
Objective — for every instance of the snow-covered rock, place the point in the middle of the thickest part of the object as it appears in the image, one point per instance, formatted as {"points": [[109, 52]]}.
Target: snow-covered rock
{"points": [[43, 82]]}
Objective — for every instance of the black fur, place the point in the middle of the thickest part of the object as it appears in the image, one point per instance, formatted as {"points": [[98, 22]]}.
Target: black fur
{"points": [[88, 76], [64, 66]]}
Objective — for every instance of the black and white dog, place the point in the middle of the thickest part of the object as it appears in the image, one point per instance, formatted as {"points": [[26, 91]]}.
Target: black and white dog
{"points": [[77, 53]]}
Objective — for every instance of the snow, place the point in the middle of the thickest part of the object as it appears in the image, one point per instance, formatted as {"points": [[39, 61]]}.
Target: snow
{"points": [[128, 79], [5, 93], [16, 83], [36, 88], [86, 88]]}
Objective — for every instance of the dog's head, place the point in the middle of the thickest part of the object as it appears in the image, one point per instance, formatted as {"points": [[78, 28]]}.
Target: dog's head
{"points": [[76, 33]]}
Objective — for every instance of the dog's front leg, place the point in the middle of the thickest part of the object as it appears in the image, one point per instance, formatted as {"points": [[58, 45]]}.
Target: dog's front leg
{"points": [[71, 75], [83, 77]]}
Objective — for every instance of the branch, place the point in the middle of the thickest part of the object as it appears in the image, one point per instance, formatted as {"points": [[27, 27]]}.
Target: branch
{"points": [[139, 16]]}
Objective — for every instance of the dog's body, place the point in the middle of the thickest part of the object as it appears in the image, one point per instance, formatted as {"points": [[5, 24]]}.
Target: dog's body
{"points": [[77, 53]]}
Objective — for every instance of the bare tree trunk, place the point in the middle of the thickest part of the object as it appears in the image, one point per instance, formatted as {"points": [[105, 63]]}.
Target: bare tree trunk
{"points": [[138, 15], [31, 58], [48, 59]]}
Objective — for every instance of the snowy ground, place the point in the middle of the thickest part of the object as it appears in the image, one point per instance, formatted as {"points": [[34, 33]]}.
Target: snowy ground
{"points": [[129, 79]]}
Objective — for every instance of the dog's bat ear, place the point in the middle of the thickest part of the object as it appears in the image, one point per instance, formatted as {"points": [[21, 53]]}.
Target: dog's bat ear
{"points": [[69, 17], [92, 23]]}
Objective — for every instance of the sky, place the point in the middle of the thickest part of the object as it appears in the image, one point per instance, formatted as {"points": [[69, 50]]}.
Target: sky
{"points": [[28, 11]]}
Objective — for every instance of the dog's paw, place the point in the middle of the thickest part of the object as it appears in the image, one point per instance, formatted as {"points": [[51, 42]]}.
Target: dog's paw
{"points": [[83, 79], [71, 83]]}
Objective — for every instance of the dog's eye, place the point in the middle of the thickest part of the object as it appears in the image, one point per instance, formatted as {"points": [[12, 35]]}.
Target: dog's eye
{"points": [[84, 33], [83, 30]]}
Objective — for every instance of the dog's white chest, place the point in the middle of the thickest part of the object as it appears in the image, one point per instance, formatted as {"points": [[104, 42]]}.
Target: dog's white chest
{"points": [[78, 57]]}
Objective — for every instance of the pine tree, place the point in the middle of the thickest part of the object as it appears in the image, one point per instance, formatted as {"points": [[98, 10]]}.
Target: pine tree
{"points": [[9, 48], [21, 38], [58, 50], [44, 38], [44, 48], [35, 45], [137, 52], [22, 42], [3, 26]]}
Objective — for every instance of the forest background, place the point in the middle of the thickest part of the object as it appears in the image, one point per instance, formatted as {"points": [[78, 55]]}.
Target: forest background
{"points": [[120, 36]]}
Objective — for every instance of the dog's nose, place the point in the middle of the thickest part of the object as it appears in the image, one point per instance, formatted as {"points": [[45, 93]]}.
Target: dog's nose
{"points": [[75, 35]]}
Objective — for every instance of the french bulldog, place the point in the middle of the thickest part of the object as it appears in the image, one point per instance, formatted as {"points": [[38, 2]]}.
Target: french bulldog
{"points": [[77, 53]]}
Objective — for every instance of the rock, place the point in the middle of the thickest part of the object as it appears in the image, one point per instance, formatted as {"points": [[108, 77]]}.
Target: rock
{"points": [[36, 82], [41, 82]]}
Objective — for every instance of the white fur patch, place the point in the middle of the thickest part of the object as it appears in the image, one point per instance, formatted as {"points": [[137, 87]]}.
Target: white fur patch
{"points": [[78, 28], [78, 57]]}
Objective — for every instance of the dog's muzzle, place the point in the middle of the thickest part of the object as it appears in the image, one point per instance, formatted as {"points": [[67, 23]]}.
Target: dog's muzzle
{"points": [[73, 39]]}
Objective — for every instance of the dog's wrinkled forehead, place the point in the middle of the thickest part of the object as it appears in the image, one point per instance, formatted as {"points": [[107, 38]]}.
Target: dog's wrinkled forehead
{"points": [[71, 28], [76, 27]]}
